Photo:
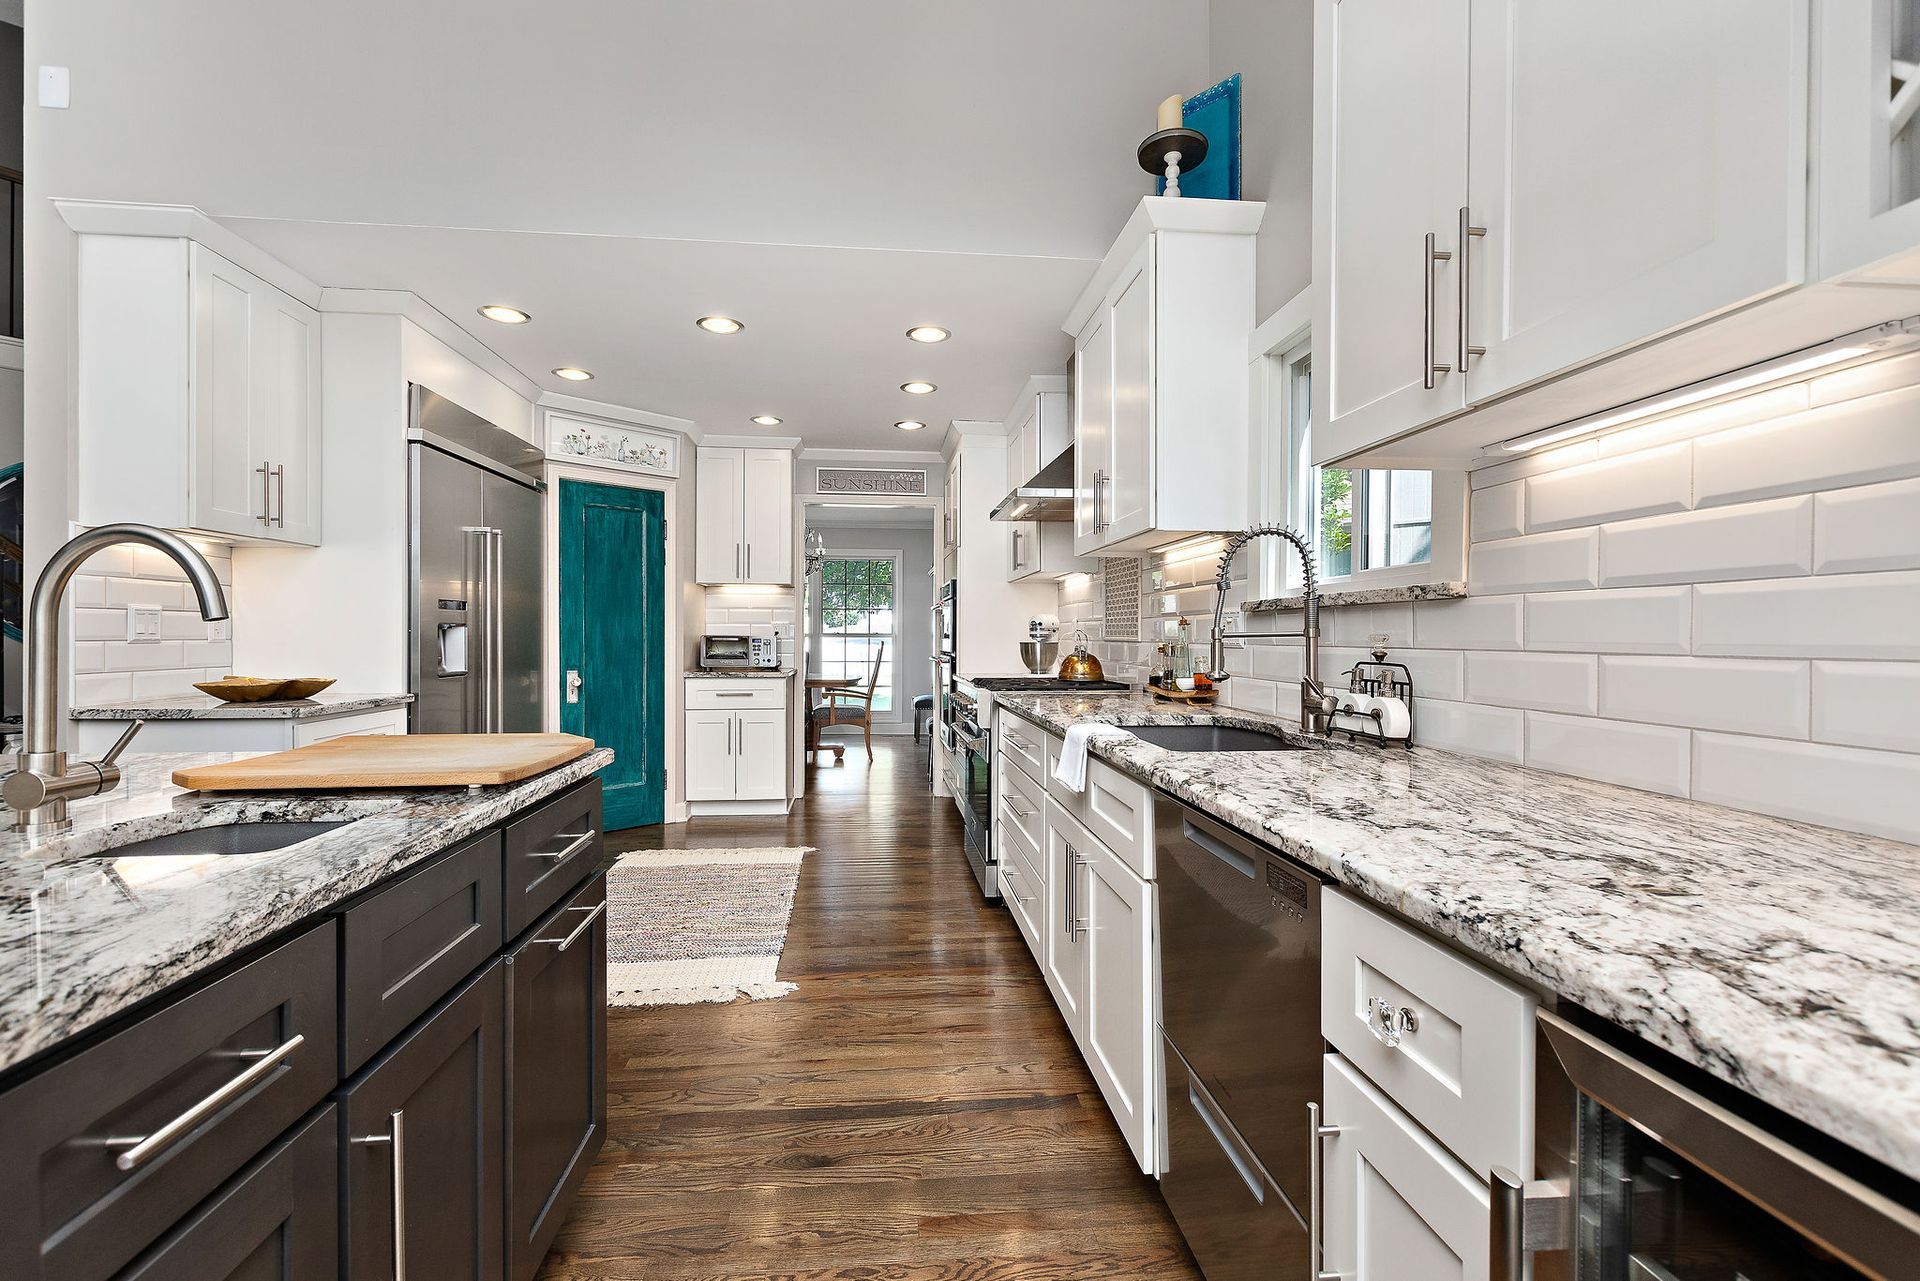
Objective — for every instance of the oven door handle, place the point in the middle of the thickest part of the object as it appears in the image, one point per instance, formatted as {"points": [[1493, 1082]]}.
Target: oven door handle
{"points": [[975, 743]]}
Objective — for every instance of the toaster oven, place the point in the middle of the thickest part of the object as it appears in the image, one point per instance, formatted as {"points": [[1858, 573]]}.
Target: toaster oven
{"points": [[721, 651]]}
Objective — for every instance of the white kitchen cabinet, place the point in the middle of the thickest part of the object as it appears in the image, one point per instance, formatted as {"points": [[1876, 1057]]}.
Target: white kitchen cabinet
{"points": [[1120, 1027], [743, 517], [1395, 1203], [736, 745], [950, 508], [1044, 549], [1061, 923], [1160, 379], [1868, 142], [198, 393]]}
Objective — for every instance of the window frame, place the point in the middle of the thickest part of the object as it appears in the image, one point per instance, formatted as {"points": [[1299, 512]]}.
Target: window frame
{"points": [[816, 622], [1285, 479]]}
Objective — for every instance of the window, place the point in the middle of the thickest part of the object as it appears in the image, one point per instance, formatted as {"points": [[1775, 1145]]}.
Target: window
{"points": [[855, 619], [1361, 520]]}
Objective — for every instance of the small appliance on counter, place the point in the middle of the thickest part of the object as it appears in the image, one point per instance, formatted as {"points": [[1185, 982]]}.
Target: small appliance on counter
{"points": [[1042, 645], [1081, 666], [733, 652]]}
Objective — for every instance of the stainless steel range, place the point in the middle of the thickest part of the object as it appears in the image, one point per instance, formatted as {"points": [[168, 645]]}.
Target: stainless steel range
{"points": [[969, 738]]}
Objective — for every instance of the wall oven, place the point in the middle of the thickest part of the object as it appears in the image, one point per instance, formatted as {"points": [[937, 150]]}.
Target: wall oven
{"points": [[1652, 1179]]}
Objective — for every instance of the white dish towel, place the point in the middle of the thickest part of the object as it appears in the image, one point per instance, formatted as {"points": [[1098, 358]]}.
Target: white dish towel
{"points": [[1071, 770]]}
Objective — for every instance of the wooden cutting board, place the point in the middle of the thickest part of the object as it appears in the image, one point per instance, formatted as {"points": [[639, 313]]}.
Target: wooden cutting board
{"points": [[391, 760]]}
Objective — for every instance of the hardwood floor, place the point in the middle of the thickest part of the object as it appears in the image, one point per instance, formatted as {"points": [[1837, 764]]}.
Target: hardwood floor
{"points": [[917, 1111]]}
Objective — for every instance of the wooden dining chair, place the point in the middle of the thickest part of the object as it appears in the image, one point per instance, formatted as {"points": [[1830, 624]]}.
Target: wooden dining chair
{"points": [[856, 709]]}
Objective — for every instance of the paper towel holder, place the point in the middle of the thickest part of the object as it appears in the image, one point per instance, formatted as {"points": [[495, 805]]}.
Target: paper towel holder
{"points": [[1377, 678]]}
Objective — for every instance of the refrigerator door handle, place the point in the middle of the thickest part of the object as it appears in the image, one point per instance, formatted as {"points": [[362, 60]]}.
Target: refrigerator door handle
{"points": [[479, 714], [496, 628]]}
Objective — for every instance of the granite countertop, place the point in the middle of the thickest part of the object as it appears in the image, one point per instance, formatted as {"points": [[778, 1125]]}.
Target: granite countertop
{"points": [[1781, 957], [84, 936], [742, 673], [205, 707], [1360, 596]]}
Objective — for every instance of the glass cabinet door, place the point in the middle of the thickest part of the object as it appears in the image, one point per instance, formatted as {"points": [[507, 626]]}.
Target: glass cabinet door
{"points": [[1866, 146]]}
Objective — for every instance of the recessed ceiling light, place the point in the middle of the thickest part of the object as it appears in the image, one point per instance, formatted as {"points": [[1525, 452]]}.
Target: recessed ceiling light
{"points": [[766, 420], [918, 388], [909, 424], [571, 374], [720, 324], [504, 314], [929, 333]]}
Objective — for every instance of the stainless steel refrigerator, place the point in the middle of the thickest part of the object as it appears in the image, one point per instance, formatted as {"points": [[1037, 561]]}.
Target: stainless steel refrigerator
{"points": [[473, 631]]}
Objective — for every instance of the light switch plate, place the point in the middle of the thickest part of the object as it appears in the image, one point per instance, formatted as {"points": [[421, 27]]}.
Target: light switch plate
{"points": [[143, 624], [55, 88]]}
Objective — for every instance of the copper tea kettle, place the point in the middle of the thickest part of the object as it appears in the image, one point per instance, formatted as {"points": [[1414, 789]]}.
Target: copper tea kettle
{"points": [[1080, 665]]}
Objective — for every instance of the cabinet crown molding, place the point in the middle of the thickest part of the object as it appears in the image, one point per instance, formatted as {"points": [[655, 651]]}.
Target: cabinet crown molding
{"points": [[1162, 213], [185, 222]]}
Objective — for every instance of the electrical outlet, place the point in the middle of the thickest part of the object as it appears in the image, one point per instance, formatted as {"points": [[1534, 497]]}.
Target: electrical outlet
{"points": [[783, 630], [143, 624], [55, 88], [220, 631]]}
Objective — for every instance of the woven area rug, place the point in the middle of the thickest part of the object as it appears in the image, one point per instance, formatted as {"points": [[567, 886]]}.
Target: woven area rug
{"points": [[686, 927]]}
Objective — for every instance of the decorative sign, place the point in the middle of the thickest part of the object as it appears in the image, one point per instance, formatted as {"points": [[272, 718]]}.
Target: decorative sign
{"points": [[613, 445], [892, 481]]}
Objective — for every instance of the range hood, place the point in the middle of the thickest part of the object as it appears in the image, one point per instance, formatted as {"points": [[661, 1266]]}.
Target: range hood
{"points": [[1048, 496]]}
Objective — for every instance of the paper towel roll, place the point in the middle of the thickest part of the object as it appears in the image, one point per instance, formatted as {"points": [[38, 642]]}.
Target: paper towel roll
{"points": [[1396, 719]]}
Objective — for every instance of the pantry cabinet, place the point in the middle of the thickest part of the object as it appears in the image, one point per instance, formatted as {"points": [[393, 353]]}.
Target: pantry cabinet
{"points": [[743, 515], [736, 744], [197, 393], [1160, 378]]}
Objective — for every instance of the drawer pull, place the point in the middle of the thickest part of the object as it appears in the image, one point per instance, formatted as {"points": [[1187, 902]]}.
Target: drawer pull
{"points": [[1013, 875], [1389, 1022], [396, 1138], [744, 693], [593, 914], [1017, 811], [1316, 1176], [140, 1150], [575, 842], [1016, 740]]}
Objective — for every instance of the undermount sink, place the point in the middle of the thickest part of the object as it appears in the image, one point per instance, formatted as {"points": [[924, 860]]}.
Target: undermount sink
{"points": [[1214, 738], [257, 837]]}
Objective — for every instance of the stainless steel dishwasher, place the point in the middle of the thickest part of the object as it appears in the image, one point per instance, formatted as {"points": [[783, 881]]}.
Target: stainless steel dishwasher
{"points": [[1240, 1028]]}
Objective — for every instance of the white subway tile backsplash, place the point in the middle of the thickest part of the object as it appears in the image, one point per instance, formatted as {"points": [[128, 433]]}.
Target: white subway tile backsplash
{"points": [[1653, 758], [1749, 696], [89, 656], [1550, 682], [1475, 622], [1252, 694], [1535, 464], [1867, 528], [182, 625], [147, 591], [1499, 733], [1842, 616], [1498, 511], [1865, 380], [208, 655], [1561, 561], [1854, 443], [122, 657], [1437, 673], [1867, 704], [165, 684], [1849, 787], [88, 589], [99, 624], [1646, 483], [1354, 624], [101, 687], [1276, 662], [1626, 620], [109, 561], [1772, 539], [1688, 424]]}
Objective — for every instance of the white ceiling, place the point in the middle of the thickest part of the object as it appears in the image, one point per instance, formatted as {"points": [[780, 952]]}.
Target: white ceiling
{"points": [[828, 171]]}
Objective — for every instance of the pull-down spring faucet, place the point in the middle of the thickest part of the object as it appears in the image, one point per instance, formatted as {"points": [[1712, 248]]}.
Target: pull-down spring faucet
{"points": [[1316, 705]]}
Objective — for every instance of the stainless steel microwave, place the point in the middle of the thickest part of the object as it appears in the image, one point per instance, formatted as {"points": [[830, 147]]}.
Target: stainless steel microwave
{"points": [[722, 651]]}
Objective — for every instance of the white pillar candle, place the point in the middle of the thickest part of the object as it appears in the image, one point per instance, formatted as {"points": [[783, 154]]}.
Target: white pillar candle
{"points": [[1170, 117]]}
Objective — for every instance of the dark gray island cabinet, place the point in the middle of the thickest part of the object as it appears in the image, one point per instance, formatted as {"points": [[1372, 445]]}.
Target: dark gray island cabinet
{"points": [[410, 1087]]}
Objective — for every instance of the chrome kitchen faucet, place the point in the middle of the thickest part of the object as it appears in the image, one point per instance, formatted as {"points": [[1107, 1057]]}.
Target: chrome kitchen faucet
{"points": [[1316, 705], [39, 788]]}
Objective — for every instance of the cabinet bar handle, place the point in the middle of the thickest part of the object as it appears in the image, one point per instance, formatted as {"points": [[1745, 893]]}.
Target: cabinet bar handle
{"points": [[745, 693], [396, 1139], [266, 493], [1506, 1246], [729, 736], [1428, 339], [140, 1150], [1316, 1177], [575, 842], [1017, 811], [1014, 874], [736, 560], [280, 504], [593, 914], [1467, 232]]}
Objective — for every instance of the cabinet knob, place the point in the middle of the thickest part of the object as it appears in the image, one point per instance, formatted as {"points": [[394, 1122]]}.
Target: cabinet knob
{"points": [[1389, 1022]]}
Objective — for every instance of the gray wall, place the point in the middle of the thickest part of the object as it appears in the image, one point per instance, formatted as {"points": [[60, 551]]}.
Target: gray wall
{"points": [[1270, 43], [913, 665]]}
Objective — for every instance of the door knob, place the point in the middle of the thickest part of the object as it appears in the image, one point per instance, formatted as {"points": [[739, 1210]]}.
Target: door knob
{"points": [[573, 685]]}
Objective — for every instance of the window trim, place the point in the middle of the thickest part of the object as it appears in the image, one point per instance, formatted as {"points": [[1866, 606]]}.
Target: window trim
{"points": [[816, 624], [1283, 475]]}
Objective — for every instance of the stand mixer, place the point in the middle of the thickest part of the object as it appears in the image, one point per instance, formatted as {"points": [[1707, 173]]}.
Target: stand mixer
{"points": [[1042, 647]]}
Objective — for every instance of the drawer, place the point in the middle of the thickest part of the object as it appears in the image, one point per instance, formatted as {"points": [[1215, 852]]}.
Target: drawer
{"points": [[732, 695], [549, 852], [279, 1220], [204, 1085], [1228, 1207], [1023, 802], [1021, 741], [1118, 810], [1462, 1066], [409, 945], [1022, 886], [392, 720]]}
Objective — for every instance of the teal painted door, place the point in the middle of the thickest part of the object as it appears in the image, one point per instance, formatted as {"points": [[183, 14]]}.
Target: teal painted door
{"points": [[613, 603]]}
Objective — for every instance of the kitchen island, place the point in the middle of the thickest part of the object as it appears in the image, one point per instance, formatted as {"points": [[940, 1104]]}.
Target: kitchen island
{"points": [[1779, 957], [201, 1049]]}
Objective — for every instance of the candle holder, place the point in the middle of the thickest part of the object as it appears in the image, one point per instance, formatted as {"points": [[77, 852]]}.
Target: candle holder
{"points": [[1167, 152]]}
